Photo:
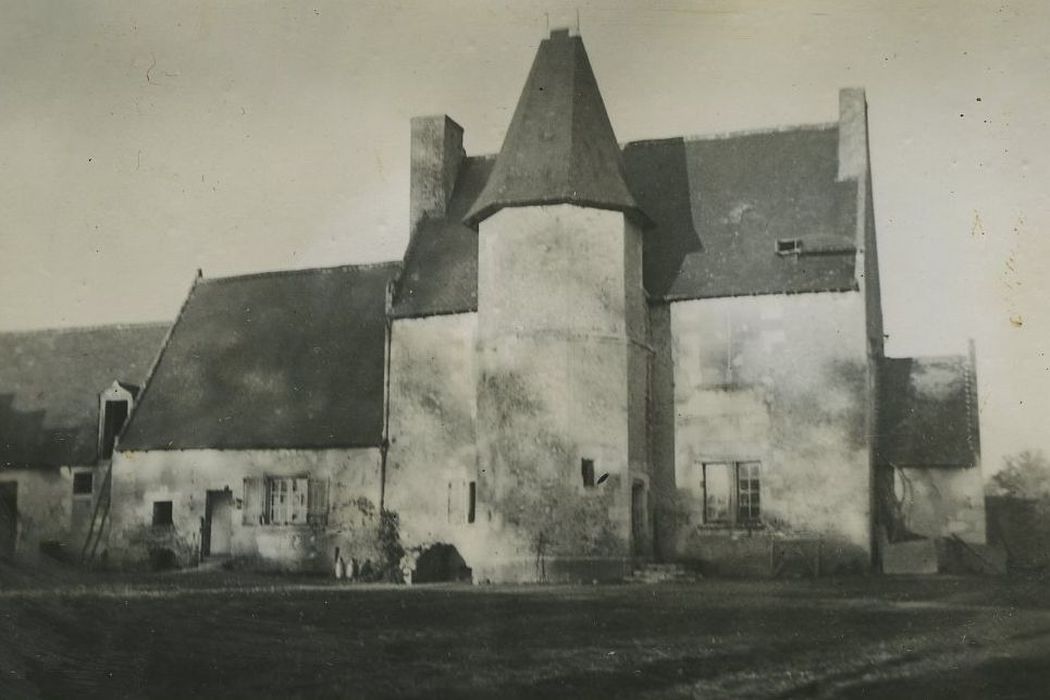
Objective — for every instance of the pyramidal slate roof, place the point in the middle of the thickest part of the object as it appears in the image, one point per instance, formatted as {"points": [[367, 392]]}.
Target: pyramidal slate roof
{"points": [[50, 381], [560, 147], [928, 412], [290, 359]]}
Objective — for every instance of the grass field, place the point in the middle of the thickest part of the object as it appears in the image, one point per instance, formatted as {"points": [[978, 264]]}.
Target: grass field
{"points": [[226, 635]]}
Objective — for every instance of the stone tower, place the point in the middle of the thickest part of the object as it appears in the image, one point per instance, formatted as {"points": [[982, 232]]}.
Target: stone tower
{"points": [[562, 357]]}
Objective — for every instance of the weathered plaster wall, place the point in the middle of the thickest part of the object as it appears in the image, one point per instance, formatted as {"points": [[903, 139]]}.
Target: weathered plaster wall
{"points": [[48, 512], [782, 380], [941, 502], [432, 457], [560, 307], [185, 476]]}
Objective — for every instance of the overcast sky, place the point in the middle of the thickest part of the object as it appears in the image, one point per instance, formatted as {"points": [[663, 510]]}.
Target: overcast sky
{"points": [[142, 140]]}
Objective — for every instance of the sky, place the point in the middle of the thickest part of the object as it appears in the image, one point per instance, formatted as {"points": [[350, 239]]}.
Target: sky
{"points": [[140, 141]]}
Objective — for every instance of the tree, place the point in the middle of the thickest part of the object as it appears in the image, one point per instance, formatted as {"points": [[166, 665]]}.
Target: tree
{"points": [[1024, 475]]}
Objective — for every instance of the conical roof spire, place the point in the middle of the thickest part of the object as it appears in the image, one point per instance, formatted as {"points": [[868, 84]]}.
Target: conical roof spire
{"points": [[560, 147]]}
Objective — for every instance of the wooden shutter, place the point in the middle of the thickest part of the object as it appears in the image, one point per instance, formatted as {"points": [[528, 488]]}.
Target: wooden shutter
{"points": [[254, 501], [317, 503]]}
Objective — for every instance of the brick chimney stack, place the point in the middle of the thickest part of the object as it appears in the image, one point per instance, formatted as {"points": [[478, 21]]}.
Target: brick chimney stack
{"points": [[437, 154]]}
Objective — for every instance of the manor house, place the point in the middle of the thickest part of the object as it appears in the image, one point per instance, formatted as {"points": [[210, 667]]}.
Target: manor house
{"points": [[592, 354]]}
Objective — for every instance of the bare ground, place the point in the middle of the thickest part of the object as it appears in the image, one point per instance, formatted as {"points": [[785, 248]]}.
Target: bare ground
{"points": [[241, 635]]}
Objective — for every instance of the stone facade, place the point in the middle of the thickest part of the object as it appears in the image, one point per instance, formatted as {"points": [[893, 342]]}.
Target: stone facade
{"points": [[170, 508]]}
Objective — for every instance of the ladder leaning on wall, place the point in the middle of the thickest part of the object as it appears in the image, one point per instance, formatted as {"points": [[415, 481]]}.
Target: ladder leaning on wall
{"points": [[99, 515]]}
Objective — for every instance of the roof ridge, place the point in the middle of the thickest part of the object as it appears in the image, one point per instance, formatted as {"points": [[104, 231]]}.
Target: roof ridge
{"points": [[83, 329], [302, 270], [722, 135]]}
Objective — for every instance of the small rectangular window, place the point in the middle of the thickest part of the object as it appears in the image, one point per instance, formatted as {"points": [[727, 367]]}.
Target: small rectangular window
{"points": [[162, 513], [789, 246], [472, 501], [83, 483], [587, 472]]}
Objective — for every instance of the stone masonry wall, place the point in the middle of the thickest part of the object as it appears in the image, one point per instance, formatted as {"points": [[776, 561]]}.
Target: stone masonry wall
{"points": [[781, 380], [351, 476]]}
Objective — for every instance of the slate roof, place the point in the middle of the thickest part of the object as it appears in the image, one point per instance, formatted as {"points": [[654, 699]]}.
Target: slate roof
{"points": [[717, 207], [559, 147], [289, 359], [441, 263], [928, 412], [49, 386], [721, 204]]}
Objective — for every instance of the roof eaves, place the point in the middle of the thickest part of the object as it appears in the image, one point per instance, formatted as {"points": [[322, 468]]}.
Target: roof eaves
{"points": [[474, 218], [244, 447], [854, 287]]}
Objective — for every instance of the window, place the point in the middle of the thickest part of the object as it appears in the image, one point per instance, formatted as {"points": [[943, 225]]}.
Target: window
{"points": [[295, 500], [162, 513], [287, 503], [731, 493], [747, 503], [83, 483], [789, 246], [461, 502], [587, 472]]}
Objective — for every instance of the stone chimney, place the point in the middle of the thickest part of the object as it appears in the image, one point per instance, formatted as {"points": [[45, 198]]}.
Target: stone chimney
{"points": [[437, 153], [853, 134]]}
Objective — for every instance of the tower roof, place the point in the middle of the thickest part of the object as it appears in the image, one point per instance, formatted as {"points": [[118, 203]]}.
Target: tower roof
{"points": [[560, 147]]}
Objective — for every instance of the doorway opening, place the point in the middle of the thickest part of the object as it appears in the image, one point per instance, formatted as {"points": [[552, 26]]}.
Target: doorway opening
{"points": [[8, 519], [441, 562], [217, 535]]}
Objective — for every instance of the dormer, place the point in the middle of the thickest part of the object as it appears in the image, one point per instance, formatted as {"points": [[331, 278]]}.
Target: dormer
{"points": [[114, 407]]}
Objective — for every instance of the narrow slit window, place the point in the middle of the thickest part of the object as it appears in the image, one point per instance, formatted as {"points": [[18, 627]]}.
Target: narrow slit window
{"points": [[472, 501], [587, 472]]}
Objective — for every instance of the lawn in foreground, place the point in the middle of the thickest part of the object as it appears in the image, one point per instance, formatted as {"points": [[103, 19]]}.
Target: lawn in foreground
{"points": [[211, 637]]}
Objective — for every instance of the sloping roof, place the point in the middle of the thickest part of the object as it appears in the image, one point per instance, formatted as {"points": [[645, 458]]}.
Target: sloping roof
{"points": [[720, 205], [275, 360], [50, 383], [928, 412], [560, 147], [717, 206], [441, 263]]}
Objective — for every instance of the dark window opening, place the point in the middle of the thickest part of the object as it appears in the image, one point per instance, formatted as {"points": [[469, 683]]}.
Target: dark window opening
{"points": [[789, 246], [162, 513], [116, 412], [587, 472], [472, 501], [83, 483]]}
